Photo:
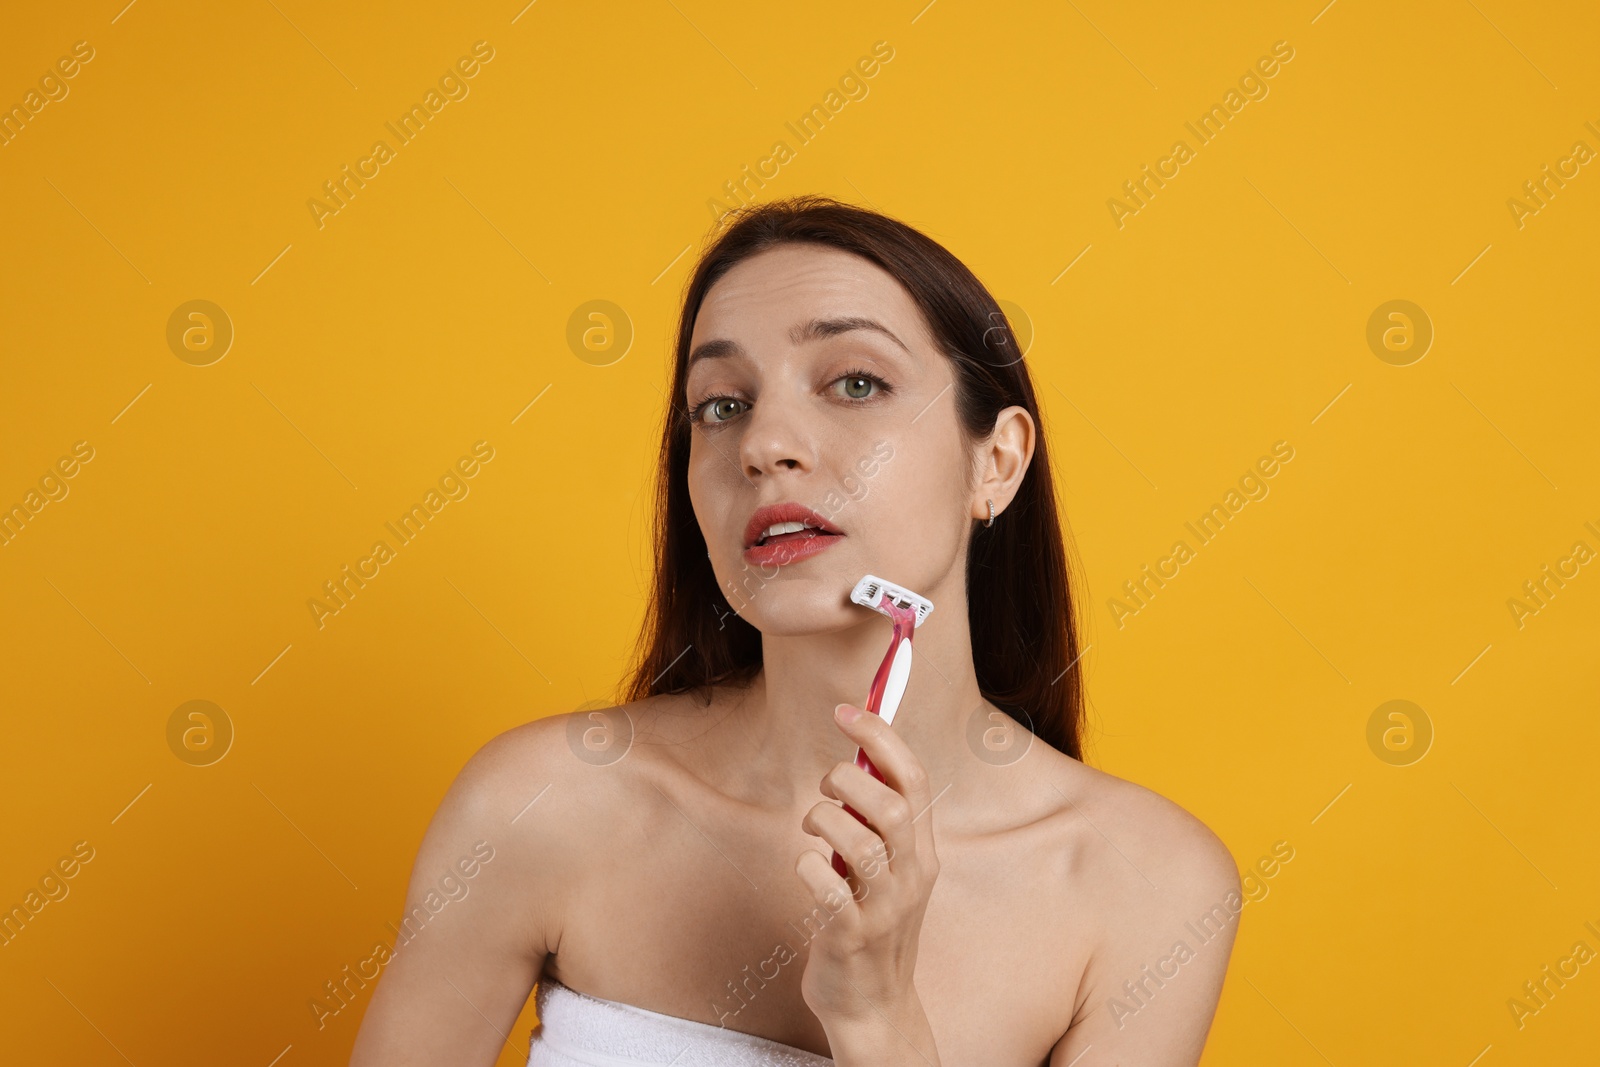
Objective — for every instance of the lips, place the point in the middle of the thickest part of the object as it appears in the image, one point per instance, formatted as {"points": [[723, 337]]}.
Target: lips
{"points": [[790, 547], [770, 514]]}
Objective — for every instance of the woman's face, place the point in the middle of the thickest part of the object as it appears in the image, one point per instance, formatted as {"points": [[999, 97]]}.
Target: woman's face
{"points": [[800, 399]]}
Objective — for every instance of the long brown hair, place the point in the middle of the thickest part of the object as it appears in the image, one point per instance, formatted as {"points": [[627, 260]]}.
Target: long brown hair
{"points": [[1019, 603]]}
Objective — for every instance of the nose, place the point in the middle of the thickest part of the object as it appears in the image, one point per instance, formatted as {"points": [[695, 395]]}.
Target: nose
{"points": [[776, 438]]}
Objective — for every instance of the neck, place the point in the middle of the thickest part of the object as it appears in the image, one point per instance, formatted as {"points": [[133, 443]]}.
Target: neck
{"points": [[781, 732]]}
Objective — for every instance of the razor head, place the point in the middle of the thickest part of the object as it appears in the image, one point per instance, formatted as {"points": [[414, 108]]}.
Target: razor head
{"points": [[871, 591]]}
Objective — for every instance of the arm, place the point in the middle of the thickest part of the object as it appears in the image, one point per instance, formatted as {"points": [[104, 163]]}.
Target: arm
{"points": [[472, 936], [1153, 982]]}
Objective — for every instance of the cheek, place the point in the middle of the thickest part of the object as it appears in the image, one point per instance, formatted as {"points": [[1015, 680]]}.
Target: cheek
{"points": [[915, 500], [716, 495], [704, 497]]}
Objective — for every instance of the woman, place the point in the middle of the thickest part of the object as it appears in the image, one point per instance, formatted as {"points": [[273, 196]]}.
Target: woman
{"points": [[662, 869]]}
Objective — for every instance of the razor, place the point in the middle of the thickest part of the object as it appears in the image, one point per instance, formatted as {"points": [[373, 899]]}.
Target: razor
{"points": [[906, 610]]}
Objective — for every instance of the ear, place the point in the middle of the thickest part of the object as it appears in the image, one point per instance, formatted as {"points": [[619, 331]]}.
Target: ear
{"points": [[1001, 461]]}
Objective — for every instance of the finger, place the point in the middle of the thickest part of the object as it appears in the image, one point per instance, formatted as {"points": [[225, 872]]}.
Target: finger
{"points": [[900, 767], [887, 812], [864, 852], [826, 887]]}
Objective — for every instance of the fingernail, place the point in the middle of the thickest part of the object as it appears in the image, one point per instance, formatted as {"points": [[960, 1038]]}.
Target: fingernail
{"points": [[847, 713]]}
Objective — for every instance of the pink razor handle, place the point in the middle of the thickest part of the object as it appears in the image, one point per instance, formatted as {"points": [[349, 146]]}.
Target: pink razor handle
{"points": [[888, 686]]}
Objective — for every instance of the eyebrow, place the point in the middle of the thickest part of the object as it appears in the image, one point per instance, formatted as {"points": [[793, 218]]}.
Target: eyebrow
{"points": [[815, 330]]}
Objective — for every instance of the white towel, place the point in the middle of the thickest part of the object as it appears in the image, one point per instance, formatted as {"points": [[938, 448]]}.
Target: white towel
{"points": [[578, 1030]]}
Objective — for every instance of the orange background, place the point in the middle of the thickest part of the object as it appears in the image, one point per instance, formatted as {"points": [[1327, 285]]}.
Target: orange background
{"points": [[1228, 313]]}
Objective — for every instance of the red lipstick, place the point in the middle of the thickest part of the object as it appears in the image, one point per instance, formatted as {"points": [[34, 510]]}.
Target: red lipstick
{"points": [[788, 547]]}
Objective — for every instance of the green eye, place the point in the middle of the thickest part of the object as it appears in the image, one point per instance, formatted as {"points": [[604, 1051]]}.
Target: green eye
{"points": [[717, 405], [858, 387], [858, 384]]}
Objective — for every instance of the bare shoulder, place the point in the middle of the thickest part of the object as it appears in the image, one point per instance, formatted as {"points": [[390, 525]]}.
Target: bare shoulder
{"points": [[1160, 896], [551, 781], [511, 768], [514, 834], [1144, 837], [547, 763]]}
